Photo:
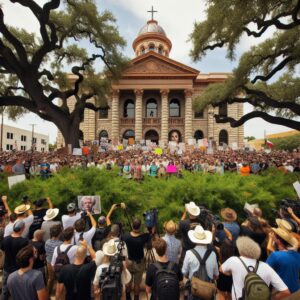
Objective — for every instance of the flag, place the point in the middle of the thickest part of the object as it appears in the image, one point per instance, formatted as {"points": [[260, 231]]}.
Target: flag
{"points": [[268, 143]]}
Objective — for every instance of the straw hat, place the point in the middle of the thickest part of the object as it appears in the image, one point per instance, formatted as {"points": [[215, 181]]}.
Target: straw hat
{"points": [[21, 209], [192, 209], [51, 213], [110, 248], [170, 227], [286, 236], [200, 236], [228, 214], [284, 224]]}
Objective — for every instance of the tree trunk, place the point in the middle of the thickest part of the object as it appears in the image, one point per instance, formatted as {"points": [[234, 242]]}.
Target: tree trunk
{"points": [[71, 134]]}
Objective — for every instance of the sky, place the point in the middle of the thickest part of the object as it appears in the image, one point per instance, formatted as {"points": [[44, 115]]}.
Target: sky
{"points": [[177, 18]]}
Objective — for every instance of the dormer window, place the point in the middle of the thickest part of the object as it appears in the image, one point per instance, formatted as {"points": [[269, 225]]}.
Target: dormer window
{"points": [[142, 50], [151, 47], [160, 50]]}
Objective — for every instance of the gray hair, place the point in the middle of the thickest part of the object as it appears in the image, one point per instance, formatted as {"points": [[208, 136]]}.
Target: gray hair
{"points": [[248, 248]]}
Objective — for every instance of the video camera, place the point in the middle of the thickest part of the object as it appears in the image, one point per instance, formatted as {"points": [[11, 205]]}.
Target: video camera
{"points": [[294, 204], [207, 219], [110, 279], [150, 218]]}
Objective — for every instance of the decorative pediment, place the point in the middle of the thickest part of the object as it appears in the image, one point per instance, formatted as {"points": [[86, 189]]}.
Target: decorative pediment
{"points": [[155, 65]]}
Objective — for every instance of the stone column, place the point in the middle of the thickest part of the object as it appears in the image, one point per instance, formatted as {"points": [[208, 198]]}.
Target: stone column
{"points": [[188, 127], [115, 117], [164, 116], [138, 115], [210, 122]]}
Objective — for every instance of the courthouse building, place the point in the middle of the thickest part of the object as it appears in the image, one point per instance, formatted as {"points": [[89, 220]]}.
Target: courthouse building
{"points": [[153, 99]]}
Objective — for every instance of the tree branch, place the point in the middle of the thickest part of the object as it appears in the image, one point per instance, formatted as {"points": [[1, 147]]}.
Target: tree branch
{"points": [[258, 114]]}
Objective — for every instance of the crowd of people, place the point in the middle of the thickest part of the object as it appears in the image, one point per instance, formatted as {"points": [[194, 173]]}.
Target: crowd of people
{"points": [[136, 163], [73, 255]]}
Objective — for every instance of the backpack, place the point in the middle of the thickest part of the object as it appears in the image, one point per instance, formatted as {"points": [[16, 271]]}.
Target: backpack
{"points": [[166, 283], [254, 286], [62, 259], [202, 286]]}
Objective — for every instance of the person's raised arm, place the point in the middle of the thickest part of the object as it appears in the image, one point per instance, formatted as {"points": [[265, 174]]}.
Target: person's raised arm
{"points": [[93, 221], [270, 246], [4, 200], [183, 215], [294, 217], [228, 234], [50, 204], [89, 248], [108, 222], [42, 294]]}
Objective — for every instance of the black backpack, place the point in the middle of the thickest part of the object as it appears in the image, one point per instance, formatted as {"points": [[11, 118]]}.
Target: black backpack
{"points": [[62, 259], [166, 284], [201, 273]]}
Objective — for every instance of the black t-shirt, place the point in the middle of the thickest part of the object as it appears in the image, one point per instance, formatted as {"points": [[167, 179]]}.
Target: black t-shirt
{"points": [[184, 227], [151, 273], [135, 245], [83, 275], [11, 246], [100, 235], [38, 216], [39, 262]]}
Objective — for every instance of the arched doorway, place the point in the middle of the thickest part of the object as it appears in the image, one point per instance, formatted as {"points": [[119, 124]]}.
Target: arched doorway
{"points": [[103, 134], [152, 135], [129, 135], [223, 137], [198, 135]]}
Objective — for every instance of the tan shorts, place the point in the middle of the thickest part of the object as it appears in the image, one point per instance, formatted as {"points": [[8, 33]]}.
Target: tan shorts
{"points": [[136, 270]]}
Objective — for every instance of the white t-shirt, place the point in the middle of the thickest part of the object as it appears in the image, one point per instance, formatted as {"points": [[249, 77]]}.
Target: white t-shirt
{"points": [[71, 253], [87, 236], [68, 221], [9, 228], [239, 272]]}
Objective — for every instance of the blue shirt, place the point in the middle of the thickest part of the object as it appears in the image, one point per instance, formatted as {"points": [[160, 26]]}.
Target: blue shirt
{"points": [[287, 266], [173, 247], [234, 229]]}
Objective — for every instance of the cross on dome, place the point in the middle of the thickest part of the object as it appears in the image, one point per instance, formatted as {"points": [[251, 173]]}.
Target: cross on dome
{"points": [[152, 12]]}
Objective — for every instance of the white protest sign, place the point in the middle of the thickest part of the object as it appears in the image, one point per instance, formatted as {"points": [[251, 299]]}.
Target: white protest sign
{"points": [[191, 142], [297, 188], [77, 151], [234, 146], [12, 180]]}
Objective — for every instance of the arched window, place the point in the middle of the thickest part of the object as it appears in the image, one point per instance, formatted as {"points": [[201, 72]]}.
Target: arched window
{"points": [[151, 108], [198, 135], [151, 47], [223, 110], [142, 50], [129, 109], [223, 137], [174, 109], [160, 49], [199, 115]]}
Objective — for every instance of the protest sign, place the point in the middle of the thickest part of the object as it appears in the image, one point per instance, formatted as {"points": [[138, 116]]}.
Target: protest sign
{"points": [[77, 151], [89, 203], [12, 180]]}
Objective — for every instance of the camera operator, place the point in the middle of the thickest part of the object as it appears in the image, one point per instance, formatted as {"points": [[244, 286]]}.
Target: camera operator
{"points": [[111, 250], [38, 214], [76, 278], [135, 242]]}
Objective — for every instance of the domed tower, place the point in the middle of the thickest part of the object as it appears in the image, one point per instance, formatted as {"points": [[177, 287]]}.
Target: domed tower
{"points": [[152, 37]]}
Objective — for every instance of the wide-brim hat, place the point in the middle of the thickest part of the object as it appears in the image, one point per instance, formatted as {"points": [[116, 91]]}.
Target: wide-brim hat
{"points": [[192, 209], [51, 213], [200, 236], [170, 227], [21, 209], [110, 248], [228, 214], [284, 224], [286, 236]]}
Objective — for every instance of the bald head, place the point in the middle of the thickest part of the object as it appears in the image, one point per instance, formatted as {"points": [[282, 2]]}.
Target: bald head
{"points": [[81, 253]]}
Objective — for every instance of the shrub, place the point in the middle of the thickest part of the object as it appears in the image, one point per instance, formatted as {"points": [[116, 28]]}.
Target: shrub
{"points": [[168, 195]]}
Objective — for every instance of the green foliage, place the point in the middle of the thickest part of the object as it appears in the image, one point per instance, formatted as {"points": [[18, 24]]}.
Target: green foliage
{"points": [[249, 138], [168, 195], [287, 143]]}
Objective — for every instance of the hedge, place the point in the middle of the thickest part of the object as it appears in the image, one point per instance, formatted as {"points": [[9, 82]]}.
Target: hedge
{"points": [[167, 195]]}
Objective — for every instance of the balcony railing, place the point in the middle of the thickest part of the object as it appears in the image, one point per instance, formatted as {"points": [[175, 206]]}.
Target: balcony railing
{"points": [[176, 121], [151, 121], [127, 121]]}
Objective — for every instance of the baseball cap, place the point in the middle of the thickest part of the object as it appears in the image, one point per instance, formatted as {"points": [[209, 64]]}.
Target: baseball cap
{"points": [[101, 220], [18, 226], [71, 207]]}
